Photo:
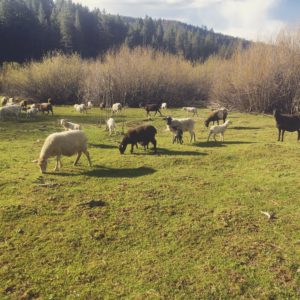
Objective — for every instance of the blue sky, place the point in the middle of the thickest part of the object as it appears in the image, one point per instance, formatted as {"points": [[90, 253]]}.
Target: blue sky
{"points": [[250, 19]]}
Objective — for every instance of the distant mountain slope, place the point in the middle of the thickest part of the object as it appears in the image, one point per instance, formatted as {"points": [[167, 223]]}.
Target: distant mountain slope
{"points": [[31, 28]]}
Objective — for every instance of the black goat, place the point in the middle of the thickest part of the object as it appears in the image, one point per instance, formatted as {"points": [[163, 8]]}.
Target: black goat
{"points": [[216, 115], [142, 134], [286, 122], [152, 107]]}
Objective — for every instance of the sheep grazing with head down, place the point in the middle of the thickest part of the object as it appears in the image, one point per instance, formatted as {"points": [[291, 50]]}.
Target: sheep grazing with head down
{"points": [[216, 115], [285, 122], [191, 110], [218, 129], [116, 107], [186, 124], [10, 110], [68, 125], [65, 143], [144, 135]]}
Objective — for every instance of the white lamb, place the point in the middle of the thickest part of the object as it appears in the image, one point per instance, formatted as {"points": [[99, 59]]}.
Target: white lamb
{"points": [[80, 108], [111, 125], [116, 107], [191, 110], [90, 105], [68, 125], [186, 124], [218, 129], [10, 110], [65, 143], [32, 112], [164, 105]]}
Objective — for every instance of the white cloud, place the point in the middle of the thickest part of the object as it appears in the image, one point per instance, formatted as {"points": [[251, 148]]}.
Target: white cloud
{"points": [[244, 18]]}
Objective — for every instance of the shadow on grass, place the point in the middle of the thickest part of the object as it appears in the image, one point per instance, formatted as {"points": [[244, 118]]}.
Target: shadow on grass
{"points": [[119, 173], [164, 151], [93, 203], [103, 146], [245, 128], [212, 144]]}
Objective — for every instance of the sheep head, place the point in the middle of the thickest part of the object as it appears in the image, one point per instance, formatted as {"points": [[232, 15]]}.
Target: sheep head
{"points": [[169, 120]]}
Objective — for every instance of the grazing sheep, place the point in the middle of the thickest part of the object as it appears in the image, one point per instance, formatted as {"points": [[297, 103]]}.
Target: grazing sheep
{"points": [[218, 129], [3, 101], [191, 110], [152, 107], [141, 134], [286, 122], [216, 115], [186, 124], [65, 143], [116, 107], [164, 105], [81, 108], [102, 105], [111, 125], [68, 125], [90, 105], [10, 110], [31, 112], [178, 135]]}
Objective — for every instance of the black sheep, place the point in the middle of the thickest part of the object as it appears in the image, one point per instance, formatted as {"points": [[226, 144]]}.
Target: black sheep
{"points": [[178, 135], [142, 134], [216, 115], [152, 107], [286, 122]]}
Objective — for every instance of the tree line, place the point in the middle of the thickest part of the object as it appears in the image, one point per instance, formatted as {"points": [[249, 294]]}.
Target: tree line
{"points": [[31, 28]]}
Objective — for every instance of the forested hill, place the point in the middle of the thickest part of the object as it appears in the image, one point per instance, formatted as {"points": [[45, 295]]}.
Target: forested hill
{"points": [[31, 28]]}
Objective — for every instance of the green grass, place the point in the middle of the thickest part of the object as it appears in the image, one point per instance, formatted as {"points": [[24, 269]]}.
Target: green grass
{"points": [[184, 224]]}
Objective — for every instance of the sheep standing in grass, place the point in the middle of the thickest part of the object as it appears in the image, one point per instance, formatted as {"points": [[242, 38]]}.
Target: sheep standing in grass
{"points": [[111, 125], [141, 134], [285, 122], [116, 107], [10, 110], [81, 108], [32, 112], [164, 105], [178, 136], [191, 110], [65, 143], [68, 125], [152, 107], [186, 124], [216, 115], [90, 105], [218, 129]]}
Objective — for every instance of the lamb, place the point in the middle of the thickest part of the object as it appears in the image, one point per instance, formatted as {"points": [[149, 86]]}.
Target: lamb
{"points": [[90, 105], [216, 115], [116, 107], [80, 108], [286, 122], [65, 143], [186, 124], [141, 134], [178, 136], [10, 110], [102, 105], [163, 105], [32, 112], [45, 107], [68, 125], [111, 125], [191, 110], [218, 129], [152, 107]]}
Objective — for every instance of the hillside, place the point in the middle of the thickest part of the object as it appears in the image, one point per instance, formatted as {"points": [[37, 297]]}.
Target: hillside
{"points": [[40, 26]]}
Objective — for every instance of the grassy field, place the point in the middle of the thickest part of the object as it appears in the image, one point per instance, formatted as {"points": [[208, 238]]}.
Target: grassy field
{"points": [[185, 223]]}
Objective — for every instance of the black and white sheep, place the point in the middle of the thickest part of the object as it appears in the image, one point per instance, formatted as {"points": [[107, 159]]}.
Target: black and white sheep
{"points": [[65, 143], [216, 115], [286, 122], [144, 135], [186, 124]]}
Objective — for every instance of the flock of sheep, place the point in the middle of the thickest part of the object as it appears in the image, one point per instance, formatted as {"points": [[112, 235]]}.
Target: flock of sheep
{"points": [[73, 140]]}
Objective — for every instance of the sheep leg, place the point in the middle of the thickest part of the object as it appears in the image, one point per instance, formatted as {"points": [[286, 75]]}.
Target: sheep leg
{"points": [[282, 135], [57, 163], [215, 137], [159, 113], [153, 141], [279, 134], [298, 135], [222, 137], [208, 136], [77, 159], [87, 154], [218, 122], [131, 150]]}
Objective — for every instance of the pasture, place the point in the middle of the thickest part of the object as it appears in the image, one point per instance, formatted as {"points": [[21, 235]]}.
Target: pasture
{"points": [[185, 223]]}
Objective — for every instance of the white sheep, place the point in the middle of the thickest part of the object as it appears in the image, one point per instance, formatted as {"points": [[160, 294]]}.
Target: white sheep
{"points": [[164, 105], [218, 129], [191, 110], [80, 108], [68, 125], [10, 110], [32, 112], [65, 143], [90, 105], [186, 124], [116, 107], [111, 125]]}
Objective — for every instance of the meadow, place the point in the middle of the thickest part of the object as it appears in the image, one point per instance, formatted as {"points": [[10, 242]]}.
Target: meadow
{"points": [[185, 223]]}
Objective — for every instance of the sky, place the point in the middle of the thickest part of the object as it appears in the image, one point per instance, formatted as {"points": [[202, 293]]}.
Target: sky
{"points": [[249, 19]]}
